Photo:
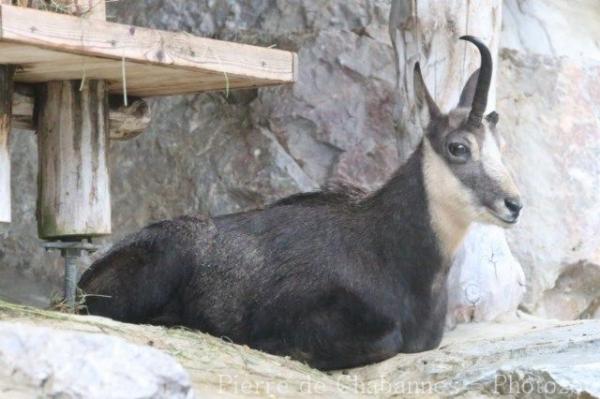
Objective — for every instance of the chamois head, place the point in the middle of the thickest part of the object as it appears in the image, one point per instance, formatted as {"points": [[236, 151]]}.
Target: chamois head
{"points": [[465, 177]]}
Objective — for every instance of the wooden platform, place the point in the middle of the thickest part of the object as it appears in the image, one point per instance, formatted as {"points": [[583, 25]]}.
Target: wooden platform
{"points": [[48, 46]]}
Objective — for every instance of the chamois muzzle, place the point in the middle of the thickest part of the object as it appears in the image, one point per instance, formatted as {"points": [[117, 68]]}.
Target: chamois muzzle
{"points": [[514, 205], [483, 82]]}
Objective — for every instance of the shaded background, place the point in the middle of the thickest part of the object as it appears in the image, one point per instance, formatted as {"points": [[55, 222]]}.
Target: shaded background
{"points": [[207, 154]]}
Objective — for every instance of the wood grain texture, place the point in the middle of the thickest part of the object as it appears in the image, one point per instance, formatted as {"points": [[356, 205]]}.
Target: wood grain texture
{"points": [[51, 46], [22, 111], [6, 93], [73, 180], [125, 122]]}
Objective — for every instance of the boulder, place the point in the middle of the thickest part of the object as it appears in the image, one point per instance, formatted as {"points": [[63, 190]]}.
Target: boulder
{"points": [[531, 358], [552, 128], [50, 363], [547, 97], [93, 349], [486, 282], [44, 353]]}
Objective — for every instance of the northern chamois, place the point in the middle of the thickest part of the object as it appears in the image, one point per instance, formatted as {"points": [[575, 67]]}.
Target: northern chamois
{"points": [[324, 277]]}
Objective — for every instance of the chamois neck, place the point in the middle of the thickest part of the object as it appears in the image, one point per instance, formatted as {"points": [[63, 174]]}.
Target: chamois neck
{"points": [[407, 217], [400, 222]]}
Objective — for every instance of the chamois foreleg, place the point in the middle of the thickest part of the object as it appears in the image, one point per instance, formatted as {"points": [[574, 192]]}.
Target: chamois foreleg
{"points": [[342, 331]]}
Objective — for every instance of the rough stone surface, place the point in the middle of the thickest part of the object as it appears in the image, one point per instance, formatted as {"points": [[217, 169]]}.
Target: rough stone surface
{"points": [[217, 368], [548, 102], [486, 281], [552, 126], [553, 28], [208, 154], [523, 358], [75, 365]]}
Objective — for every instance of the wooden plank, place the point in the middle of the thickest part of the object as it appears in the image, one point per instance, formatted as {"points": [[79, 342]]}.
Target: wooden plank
{"points": [[6, 92], [52, 46], [73, 191], [142, 80]]}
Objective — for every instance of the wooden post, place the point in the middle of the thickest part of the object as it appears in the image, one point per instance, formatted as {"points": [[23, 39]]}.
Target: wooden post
{"points": [[73, 196], [6, 93], [73, 180]]}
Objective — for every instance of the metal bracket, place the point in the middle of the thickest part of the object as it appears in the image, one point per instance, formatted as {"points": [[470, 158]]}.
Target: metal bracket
{"points": [[70, 251]]}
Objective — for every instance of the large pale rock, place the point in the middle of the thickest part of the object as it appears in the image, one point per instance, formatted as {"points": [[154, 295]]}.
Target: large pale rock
{"points": [[548, 96], [526, 358], [486, 282], [72, 365], [552, 127], [522, 359], [216, 367], [575, 294], [554, 28]]}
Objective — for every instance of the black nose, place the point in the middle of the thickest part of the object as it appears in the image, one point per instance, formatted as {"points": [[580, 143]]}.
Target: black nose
{"points": [[514, 205]]}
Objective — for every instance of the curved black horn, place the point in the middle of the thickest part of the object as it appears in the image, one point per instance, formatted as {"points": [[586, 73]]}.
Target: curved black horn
{"points": [[483, 82]]}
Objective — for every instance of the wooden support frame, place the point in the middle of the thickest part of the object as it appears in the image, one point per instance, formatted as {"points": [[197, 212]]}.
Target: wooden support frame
{"points": [[52, 46], [6, 100], [125, 121], [77, 62]]}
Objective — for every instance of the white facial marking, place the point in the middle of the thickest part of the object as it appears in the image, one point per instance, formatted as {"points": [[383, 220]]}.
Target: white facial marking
{"points": [[451, 204], [491, 159]]}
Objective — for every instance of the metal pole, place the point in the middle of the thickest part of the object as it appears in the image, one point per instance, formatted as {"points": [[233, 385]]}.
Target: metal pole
{"points": [[70, 255], [70, 251]]}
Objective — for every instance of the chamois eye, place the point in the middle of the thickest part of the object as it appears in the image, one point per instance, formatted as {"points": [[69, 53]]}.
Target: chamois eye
{"points": [[459, 151]]}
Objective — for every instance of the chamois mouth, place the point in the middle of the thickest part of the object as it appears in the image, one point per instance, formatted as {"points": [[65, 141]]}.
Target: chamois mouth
{"points": [[503, 220]]}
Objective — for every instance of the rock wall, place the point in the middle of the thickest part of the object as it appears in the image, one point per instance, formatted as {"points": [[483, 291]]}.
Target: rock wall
{"points": [[550, 114], [212, 154]]}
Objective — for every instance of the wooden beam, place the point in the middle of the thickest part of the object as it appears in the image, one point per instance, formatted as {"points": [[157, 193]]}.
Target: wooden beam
{"points": [[22, 116], [6, 94], [59, 47], [125, 122], [73, 191], [128, 121]]}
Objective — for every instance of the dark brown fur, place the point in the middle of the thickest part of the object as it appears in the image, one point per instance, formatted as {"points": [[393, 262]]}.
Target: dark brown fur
{"points": [[328, 278]]}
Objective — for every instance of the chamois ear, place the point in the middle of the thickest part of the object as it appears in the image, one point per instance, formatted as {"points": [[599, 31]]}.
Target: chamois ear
{"points": [[426, 107], [492, 118], [468, 92]]}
